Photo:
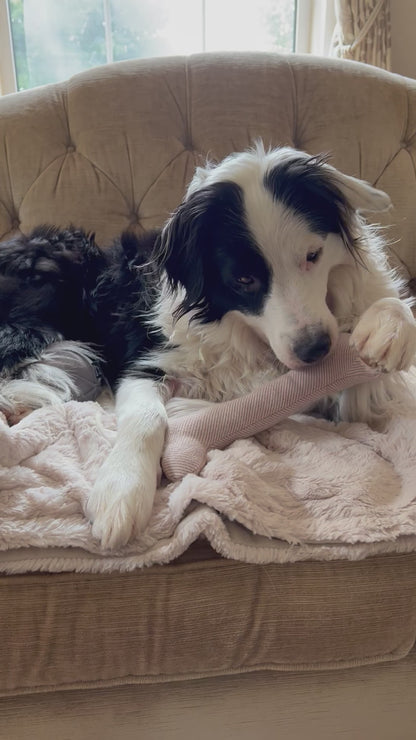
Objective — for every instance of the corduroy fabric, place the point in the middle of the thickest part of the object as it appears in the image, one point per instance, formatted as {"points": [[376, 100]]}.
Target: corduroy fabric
{"points": [[209, 617]]}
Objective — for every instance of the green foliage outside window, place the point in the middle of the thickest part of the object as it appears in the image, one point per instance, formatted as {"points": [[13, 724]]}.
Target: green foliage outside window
{"points": [[54, 39]]}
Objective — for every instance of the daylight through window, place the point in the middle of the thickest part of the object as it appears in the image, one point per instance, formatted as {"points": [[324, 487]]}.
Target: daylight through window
{"points": [[53, 40]]}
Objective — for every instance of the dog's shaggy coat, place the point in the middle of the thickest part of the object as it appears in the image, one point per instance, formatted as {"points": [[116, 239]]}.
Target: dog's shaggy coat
{"points": [[265, 261]]}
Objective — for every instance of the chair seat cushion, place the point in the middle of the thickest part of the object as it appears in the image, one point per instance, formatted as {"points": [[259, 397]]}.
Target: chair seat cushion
{"points": [[200, 616]]}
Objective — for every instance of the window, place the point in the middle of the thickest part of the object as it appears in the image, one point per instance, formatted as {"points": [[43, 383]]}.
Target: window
{"points": [[52, 40], [44, 41]]}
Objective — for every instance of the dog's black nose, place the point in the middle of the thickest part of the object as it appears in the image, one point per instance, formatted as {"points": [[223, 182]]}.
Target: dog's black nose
{"points": [[312, 346]]}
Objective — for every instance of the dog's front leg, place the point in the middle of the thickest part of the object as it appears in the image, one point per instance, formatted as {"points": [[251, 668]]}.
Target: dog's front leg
{"points": [[122, 498], [385, 335]]}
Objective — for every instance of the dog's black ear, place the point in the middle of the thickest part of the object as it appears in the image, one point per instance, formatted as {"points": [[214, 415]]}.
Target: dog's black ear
{"points": [[184, 247]]}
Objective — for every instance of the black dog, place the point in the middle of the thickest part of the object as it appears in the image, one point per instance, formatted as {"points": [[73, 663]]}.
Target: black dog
{"points": [[58, 284]]}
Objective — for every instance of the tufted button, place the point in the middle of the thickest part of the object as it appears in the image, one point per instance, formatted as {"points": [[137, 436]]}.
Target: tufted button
{"points": [[15, 223], [188, 144], [70, 149]]}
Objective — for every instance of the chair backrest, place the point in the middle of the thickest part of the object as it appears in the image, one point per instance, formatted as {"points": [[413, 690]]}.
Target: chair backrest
{"points": [[114, 147]]}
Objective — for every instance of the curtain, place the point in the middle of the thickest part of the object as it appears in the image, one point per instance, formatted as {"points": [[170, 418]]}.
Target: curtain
{"points": [[363, 31]]}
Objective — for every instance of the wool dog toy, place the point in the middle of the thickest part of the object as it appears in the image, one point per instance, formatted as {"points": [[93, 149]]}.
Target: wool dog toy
{"points": [[190, 437]]}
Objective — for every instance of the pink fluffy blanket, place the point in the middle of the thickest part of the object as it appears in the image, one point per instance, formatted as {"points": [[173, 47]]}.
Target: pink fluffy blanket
{"points": [[304, 489]]}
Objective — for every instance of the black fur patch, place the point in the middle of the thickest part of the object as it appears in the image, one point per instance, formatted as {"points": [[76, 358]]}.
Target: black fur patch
{"points": [[304, 186], [58, 284], [207, 248], [44, 281], [122, 303]]}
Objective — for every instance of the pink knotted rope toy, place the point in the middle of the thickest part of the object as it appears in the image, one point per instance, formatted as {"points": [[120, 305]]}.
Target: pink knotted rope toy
{"points": [[190, 437]]}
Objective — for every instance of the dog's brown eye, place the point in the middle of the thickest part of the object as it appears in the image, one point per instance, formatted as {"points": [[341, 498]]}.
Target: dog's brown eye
{"points": [[247, 283], [314, 256]]}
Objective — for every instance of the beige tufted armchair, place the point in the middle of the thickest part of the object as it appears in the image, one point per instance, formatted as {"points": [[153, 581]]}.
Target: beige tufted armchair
{"points": [[114, 148]]}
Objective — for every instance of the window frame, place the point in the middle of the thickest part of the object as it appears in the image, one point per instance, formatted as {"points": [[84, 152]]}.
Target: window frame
{"points": [[315, 22], [8, 79]]}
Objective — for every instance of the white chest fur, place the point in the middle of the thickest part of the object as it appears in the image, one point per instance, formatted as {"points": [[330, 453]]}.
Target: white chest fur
{"points": [[218, 361]]}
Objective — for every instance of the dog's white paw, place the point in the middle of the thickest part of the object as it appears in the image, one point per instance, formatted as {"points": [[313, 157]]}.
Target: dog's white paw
{"points": [[385, 336], [121, 502]]}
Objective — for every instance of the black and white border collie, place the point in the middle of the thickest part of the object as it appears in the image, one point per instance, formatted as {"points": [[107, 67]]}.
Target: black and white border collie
{"points": [[264, 262]]}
